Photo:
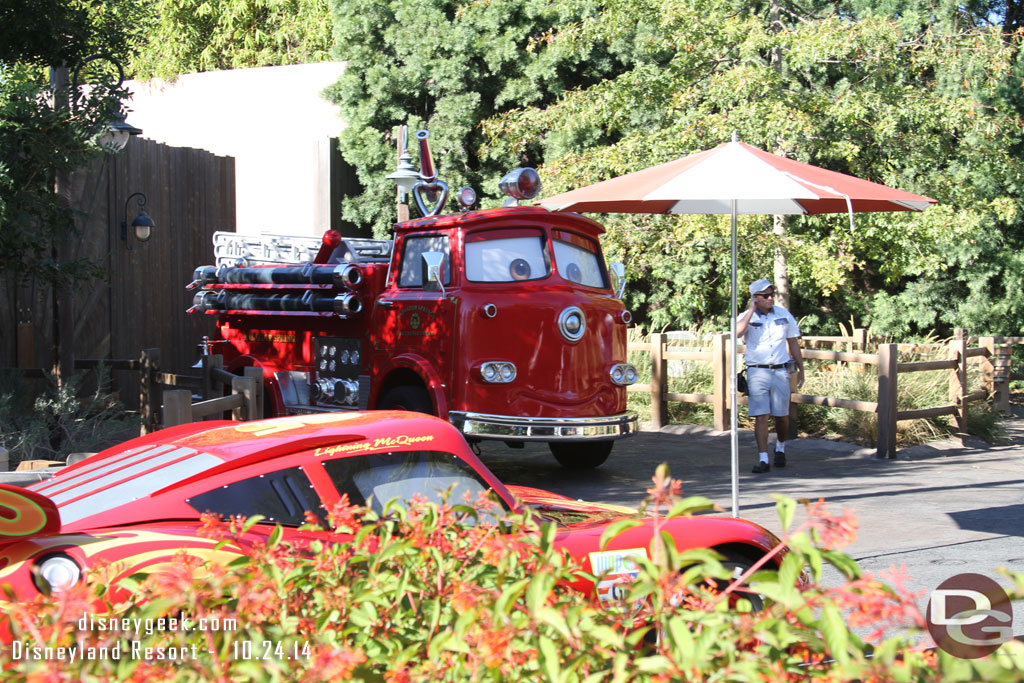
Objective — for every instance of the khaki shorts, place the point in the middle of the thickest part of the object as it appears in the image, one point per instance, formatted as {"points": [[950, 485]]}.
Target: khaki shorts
{"points": [[767, 392]]}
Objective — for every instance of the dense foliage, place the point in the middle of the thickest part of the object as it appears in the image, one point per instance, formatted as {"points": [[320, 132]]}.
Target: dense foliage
{"points": [[184, 36], [925, 96], [919, 102], [447, 65], [42, 135], [421, 596]]}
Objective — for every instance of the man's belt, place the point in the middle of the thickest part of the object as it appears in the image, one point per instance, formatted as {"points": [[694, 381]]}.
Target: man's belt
{"points": [[769, 367]]}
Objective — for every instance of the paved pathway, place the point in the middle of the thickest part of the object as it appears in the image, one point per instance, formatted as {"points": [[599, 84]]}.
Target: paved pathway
{"points": [[941, 509]]}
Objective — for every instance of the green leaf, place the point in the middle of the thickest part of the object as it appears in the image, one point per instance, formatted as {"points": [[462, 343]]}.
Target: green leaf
{"points": [[834, 630], [616, 528], [549, 659], [786, 509], [691, 505]]}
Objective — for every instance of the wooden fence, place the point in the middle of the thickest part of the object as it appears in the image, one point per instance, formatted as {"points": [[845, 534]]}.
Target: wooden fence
{"points": [[140, 301], [245, 400], [995, 354], [166, 407]]}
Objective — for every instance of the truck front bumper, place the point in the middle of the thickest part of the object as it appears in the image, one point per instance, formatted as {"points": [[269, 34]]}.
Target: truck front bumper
{"points": [[514, 428]]}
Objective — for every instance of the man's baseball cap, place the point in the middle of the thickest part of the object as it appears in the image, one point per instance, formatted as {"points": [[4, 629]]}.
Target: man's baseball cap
{"points": [[759, 286]]}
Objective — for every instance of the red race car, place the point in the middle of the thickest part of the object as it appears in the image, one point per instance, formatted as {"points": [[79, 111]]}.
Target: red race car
{"points": [[135, 505]]}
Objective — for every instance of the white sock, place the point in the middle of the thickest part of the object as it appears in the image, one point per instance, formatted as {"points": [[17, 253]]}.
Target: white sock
{"points": [[763, 456], [780, 446]]}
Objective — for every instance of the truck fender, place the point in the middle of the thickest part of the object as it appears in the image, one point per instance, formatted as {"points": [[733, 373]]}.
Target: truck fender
{"points": [[426, 373], [271, 390]]}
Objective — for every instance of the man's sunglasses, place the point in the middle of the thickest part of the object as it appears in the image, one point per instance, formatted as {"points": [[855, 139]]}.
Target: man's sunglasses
{"points": [[766, 295]]}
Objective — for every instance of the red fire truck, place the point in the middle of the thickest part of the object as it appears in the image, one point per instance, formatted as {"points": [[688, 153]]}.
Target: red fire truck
{"points": [[504, 321]]}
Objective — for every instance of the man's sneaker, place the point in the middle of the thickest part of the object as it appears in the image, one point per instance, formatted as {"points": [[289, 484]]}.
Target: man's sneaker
{"points": [[761, 467], [780, 459]]}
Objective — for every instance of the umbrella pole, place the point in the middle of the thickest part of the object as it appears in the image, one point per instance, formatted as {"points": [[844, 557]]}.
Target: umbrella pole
{"points": [[734, 432]]}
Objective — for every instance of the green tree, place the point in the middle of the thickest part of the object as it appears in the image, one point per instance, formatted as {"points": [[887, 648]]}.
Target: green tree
{"points": [[185, 36], [42, 135], [447, 65], [899, 102]]}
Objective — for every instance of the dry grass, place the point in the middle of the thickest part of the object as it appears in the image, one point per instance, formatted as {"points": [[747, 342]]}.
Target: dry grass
{"points": [[836, 380]]}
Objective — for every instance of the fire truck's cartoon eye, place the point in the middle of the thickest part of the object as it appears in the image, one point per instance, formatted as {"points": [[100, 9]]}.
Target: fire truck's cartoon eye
{"points": [[573, 273], [519, 269]]}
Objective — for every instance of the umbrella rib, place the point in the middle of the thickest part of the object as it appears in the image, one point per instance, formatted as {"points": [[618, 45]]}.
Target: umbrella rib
{"points": [[826, 188]]}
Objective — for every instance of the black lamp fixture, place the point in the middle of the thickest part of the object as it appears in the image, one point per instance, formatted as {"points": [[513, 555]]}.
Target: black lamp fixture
{"points": [[142, 224], [118, 131]]}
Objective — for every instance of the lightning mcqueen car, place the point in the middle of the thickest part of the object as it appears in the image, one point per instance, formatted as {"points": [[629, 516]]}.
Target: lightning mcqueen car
{"points": [[137, 504]]}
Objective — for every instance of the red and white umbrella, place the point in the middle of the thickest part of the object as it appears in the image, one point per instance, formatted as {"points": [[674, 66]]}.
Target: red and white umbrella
{"points": [[736, 178]]}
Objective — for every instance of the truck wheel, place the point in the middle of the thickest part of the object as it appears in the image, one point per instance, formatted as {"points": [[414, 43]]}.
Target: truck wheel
{"points": [[580, 455], [407, 397]]}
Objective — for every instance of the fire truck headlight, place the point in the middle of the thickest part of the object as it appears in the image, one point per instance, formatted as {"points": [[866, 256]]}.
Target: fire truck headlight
{"points": [[498, 372], [631, 376], [59, 571], [572, 324], [623, 374]]}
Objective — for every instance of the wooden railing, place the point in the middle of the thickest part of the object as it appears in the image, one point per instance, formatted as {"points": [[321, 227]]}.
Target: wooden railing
{"points": [[166, 407], [245, 400], [151, 381], [995, 354]]}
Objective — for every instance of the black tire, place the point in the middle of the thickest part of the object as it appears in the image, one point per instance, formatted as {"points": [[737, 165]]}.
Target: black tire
{"points": [[738, 568], [407, 397], [736, 564], [581, 455]]}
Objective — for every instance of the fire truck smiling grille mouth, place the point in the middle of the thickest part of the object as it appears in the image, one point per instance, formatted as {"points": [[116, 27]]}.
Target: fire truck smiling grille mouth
{"points": [[514, 428]]}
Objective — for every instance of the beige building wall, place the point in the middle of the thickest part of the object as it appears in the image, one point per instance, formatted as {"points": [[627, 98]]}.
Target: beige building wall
{"points": [[275, 124]]}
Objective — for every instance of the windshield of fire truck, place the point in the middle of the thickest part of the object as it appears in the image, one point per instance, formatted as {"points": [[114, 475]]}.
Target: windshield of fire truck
{"points": [[507, 255], [413, 248], [578, 259]]}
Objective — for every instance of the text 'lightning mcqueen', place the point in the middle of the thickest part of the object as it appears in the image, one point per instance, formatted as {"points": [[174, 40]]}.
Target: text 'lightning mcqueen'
{"points": [[134, 506]]}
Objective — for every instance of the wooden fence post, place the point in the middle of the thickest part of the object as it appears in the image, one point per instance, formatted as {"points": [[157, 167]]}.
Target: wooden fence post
{"points": [[722, 387], [149, 390], [860, 340], [256, 374], [958, 382], [1001, 371], [988, 374], [177, 408], [209, 363], [887, 395], [659, 375], [247, 387]]}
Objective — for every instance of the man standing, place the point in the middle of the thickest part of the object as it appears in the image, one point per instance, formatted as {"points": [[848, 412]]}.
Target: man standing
{"points": [[773, 351]]}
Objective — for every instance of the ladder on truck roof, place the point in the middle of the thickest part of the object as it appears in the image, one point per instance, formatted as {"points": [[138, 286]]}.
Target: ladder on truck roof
{"points": [[265, 249]]}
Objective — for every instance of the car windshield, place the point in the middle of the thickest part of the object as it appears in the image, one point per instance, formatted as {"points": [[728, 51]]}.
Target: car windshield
{"points": [[507, 256], [434, 475]]}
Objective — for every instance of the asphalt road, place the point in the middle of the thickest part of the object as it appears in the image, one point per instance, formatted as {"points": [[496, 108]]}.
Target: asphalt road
{"points": [[940, 509]]}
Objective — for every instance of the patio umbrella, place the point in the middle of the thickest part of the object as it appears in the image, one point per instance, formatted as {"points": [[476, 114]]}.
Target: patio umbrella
{"points": [[736, 178]]}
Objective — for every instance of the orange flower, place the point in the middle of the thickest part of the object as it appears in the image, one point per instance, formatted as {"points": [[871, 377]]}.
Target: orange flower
{"points": [[834, 531]]}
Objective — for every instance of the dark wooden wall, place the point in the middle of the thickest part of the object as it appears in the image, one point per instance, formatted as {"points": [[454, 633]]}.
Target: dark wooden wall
{"points": [[140, 301]]}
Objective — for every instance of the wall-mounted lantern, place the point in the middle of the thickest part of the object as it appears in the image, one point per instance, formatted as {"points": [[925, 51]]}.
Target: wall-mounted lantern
{"points": [[142, 224]]}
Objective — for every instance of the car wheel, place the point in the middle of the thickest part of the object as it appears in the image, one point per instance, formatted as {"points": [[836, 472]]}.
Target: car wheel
{"points": [[407, 397], [737, 568], [581, 455]]}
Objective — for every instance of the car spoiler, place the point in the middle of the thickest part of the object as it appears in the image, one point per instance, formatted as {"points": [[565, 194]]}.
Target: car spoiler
{"points": [[26, 513]]}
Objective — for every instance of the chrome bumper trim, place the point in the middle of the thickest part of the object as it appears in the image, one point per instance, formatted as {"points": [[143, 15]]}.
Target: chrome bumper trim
{"points": [[514, 428]]}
